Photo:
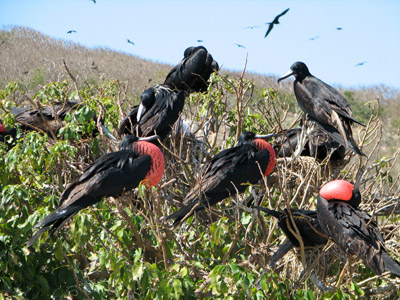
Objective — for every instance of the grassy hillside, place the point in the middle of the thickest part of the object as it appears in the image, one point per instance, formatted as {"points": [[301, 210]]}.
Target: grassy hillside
{"points": [[123, 248]]}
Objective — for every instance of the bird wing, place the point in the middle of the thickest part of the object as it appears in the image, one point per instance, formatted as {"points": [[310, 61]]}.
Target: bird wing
{"points": [[192, 72], [271, 25], [160, 118], [111, 175], [284, 12], [127, 125], [347, 226]]}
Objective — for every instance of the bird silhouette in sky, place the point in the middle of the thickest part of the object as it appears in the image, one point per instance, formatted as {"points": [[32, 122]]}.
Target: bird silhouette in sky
{"points": [[240, 46], [94, 1], [275, 22], [130, 42], [200, 41], [71, 31], [360, 64], [314, 38], [251, 27], [339, 28]]}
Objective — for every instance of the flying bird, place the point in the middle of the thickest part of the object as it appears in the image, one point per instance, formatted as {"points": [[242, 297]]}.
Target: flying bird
{"points": [[314, 38], [200, 41], [351, 228], [339, 28], [251, 27], [71, 31], [275, 22], [193, 71], [109, 176], [360, 63], [324, 105], [157, 112], [94, 1], [229, 173], [130, 42], [240, 46]]}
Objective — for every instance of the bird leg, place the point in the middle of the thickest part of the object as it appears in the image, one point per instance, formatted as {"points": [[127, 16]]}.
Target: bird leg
{"points": [[306, 132]]}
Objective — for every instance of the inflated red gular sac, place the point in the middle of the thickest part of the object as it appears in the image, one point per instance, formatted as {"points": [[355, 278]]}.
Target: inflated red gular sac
{"points": [[351, 228], [112, 174]]}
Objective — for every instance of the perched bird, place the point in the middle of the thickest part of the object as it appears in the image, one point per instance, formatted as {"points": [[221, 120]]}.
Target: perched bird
{"points": [[275, 22], [130, 42], [193, 71], [320, 145], [228, 173], [109, 176], [351, 228], [8, 136], [159, 109], [71, 31], [324, 105], [49, 119], [306, 222]]}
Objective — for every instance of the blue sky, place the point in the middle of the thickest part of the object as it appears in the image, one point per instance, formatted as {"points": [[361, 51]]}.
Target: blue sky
{"points": [[162, 30]]}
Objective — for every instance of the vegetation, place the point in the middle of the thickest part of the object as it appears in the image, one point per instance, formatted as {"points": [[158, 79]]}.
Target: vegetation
{"points": [[123, 248]]}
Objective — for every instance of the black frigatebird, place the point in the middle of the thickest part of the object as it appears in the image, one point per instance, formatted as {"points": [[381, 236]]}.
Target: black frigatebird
{"points": [[275, 22], [360, 64], [109, 176], [306, 222], [320, 145], [228, 173], [71, 31], [8, 136], [324, 105], [49, 119], [193, 71], [240, 46], [351, 228], [159, 109], [130, 42]]}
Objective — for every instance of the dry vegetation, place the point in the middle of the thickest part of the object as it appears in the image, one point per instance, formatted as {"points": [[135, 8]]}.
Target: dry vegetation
{"points": [[215, 260]]}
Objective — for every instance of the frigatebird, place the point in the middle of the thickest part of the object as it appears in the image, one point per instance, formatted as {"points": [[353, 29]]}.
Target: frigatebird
{"points": [[229, 173], [324, 105], [193, 71], [109, 176], [130, 42], [240, 46], [360, 63], [275, 22], [8, 136], [71, 31], [306, 222], [49, 119], [159, 109], [351, 228], [320, 145]]}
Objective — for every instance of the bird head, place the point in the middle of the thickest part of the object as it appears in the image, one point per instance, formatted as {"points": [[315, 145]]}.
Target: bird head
{"points": [[147, 99], [299, 70], [259, 142]]}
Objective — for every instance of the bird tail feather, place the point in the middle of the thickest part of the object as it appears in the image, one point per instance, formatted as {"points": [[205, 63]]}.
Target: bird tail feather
{"points": [[391, 264]]}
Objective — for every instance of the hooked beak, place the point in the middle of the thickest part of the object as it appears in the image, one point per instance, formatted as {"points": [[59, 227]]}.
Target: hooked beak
{"points": [[149, 138], [265, 136], [140, 113], [108, 133], [289, 73]]}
